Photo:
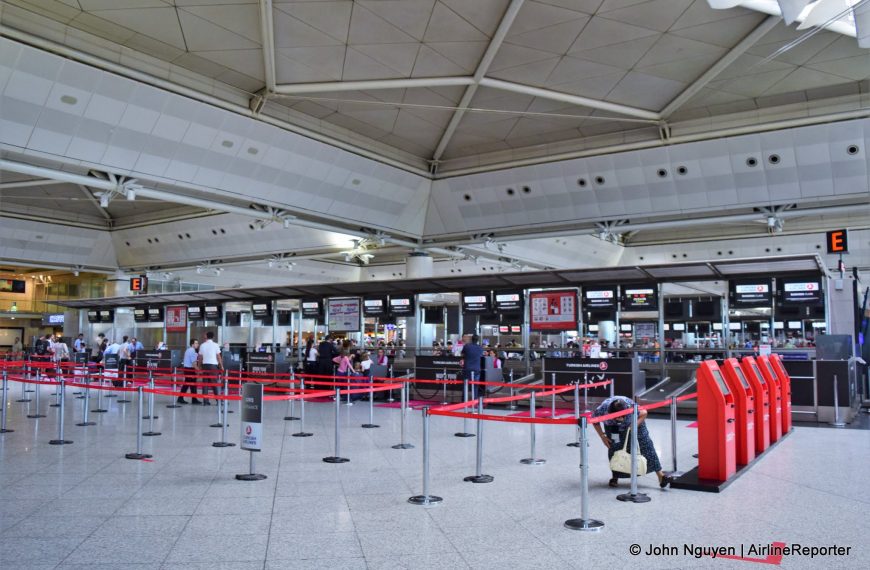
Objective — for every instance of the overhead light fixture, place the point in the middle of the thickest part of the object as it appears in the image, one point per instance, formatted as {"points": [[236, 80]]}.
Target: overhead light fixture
{"points": [[131, 194], [104, 200], [774, 225]]}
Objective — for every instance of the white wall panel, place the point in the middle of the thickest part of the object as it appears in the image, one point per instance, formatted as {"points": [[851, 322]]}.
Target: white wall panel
{"points": [[53, 244]]}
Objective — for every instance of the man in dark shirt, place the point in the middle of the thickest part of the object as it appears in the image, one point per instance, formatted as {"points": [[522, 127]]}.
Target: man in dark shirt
{"points": [[326, 351], [471, 355]]}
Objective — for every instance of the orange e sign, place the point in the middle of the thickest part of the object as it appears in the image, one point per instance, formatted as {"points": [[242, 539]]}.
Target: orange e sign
{"points": [[838, 241], [138, 283]]}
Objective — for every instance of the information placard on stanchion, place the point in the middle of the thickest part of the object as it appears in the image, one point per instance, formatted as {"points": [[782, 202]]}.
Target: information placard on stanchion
{"points": [[252, 426]]}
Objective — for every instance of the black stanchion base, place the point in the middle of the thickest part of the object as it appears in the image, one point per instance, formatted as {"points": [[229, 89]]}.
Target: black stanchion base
{"points": [[223, 444], [479, 479], [290, 418], [232, 412], [250, 477], [54, 394], [124, 401], [110, 396], [148, 417], [637, 498], [6, 430], [573, 444], [218, 425], [463, 434], [584, 524], [35, 416], [138, 456], [99, 411], [80, 397], [425, 500], [86, 424], [170, 405], [532, 461], [30, 391], [24, 400], [60, 442], [403, 446], [302, 434], [335, 459], [150, 433], [54, 405], [370, 426], [76, 393]]}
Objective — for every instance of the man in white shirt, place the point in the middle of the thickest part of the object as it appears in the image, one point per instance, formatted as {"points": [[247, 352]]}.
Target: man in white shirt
{"points": [[124, 361], [210, 353], [79, 344]]}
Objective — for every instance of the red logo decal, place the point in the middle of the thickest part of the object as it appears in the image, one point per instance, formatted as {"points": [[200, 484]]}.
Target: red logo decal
{"points": [[602, 365]]}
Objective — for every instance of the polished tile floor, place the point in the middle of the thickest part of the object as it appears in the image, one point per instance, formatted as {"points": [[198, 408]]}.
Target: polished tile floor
{"points": [[85, 506]]}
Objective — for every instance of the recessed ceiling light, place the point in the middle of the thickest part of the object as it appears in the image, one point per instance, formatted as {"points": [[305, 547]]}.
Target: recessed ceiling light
{"points": [[68, 99], [38, 236], [227, 144], [252, 150], [355, 181]]}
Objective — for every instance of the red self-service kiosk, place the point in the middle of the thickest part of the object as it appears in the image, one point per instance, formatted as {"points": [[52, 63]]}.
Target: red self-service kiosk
{"points": [[762, 403], [785, 389], [744, 410], [773, 397], [716, 429]]}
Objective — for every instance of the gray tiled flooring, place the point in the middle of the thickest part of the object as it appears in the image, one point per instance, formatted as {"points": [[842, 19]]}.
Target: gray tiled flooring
{"points": [[85, 506]]}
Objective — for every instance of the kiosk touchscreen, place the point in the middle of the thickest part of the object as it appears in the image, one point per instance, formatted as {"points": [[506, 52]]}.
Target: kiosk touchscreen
{"points": [[773, 397], [716, 429], [785, 388], [762, 403], [744, 410]]}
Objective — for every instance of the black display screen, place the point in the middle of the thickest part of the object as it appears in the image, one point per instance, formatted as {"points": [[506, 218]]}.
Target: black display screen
{"points": [[754, 293], [194, 313], [717, 376], [402, 306], [213, 312], [311, 309], [741, 377], [805, 291], [640, 298], [107, 316], [375, 306], [93, 316], [261, 310], [155, 314], [705, 309], [140, 315], [599, 298], [475, 303], [509, 302], [674, 309]]}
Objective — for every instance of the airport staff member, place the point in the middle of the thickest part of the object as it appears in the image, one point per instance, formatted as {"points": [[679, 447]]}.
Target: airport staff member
{"points": [[471, 355], [210, 352], [190, 364]]}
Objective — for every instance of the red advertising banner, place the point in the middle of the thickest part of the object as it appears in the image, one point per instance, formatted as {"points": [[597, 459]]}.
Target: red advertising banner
{"points": [[553, 311], [176, 318]]}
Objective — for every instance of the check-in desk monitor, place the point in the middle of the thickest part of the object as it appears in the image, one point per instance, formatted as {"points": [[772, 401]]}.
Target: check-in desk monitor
{"points": [[716, 425], [744, 410], [774, 399]]}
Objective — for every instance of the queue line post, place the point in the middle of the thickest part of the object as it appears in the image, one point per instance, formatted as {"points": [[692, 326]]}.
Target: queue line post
{"points": [[633, 496], [61, 387], [5, 398], [584, 523], [425, 500]]}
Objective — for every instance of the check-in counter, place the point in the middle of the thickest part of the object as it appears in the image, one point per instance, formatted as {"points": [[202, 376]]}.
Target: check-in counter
{"points": [[628, 378]]}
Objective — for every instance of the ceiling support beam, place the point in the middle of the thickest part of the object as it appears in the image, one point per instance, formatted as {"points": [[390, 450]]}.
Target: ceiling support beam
{"points": [[615, 108], [87, 192], [498, 37], [726, 60], [28, 183], [372, 84], [267, 34]]}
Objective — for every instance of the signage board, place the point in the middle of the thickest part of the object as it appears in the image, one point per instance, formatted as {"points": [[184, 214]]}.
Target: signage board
{"points": [[838, 241], [401, 306], [623, 372], [110, 361], [750, 293], [343, 314], [806, 291], [154, 359], [194, 313], [252, 416], [509, 302], [504, 329], [475, 303], [375, 307], [645, 330], [261, 362], [107, 316], [140, 315], [12, 286], [553, 310], [175, 318], [93, 316], [597, 299], [516, 329], [640, 298], [53, 320], [155, 314]]}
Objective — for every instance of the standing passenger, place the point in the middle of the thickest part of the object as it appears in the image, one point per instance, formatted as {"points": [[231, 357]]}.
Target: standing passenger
{"points": [[212, 363], [190, 364]]}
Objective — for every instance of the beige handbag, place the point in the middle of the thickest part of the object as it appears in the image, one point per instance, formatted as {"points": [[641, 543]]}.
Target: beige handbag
{"points": [[621, 460]]}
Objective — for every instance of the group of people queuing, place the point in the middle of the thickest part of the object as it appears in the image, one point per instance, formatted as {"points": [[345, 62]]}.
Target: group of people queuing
{"points": [[202, 363], [342, 357]]}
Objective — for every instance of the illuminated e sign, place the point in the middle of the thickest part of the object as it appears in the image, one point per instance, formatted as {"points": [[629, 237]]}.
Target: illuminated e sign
{"points": [[838, 241]]}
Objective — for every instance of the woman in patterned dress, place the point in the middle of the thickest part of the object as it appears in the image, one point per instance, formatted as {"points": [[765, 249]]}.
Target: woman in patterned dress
{"points": [[614, 433]]}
